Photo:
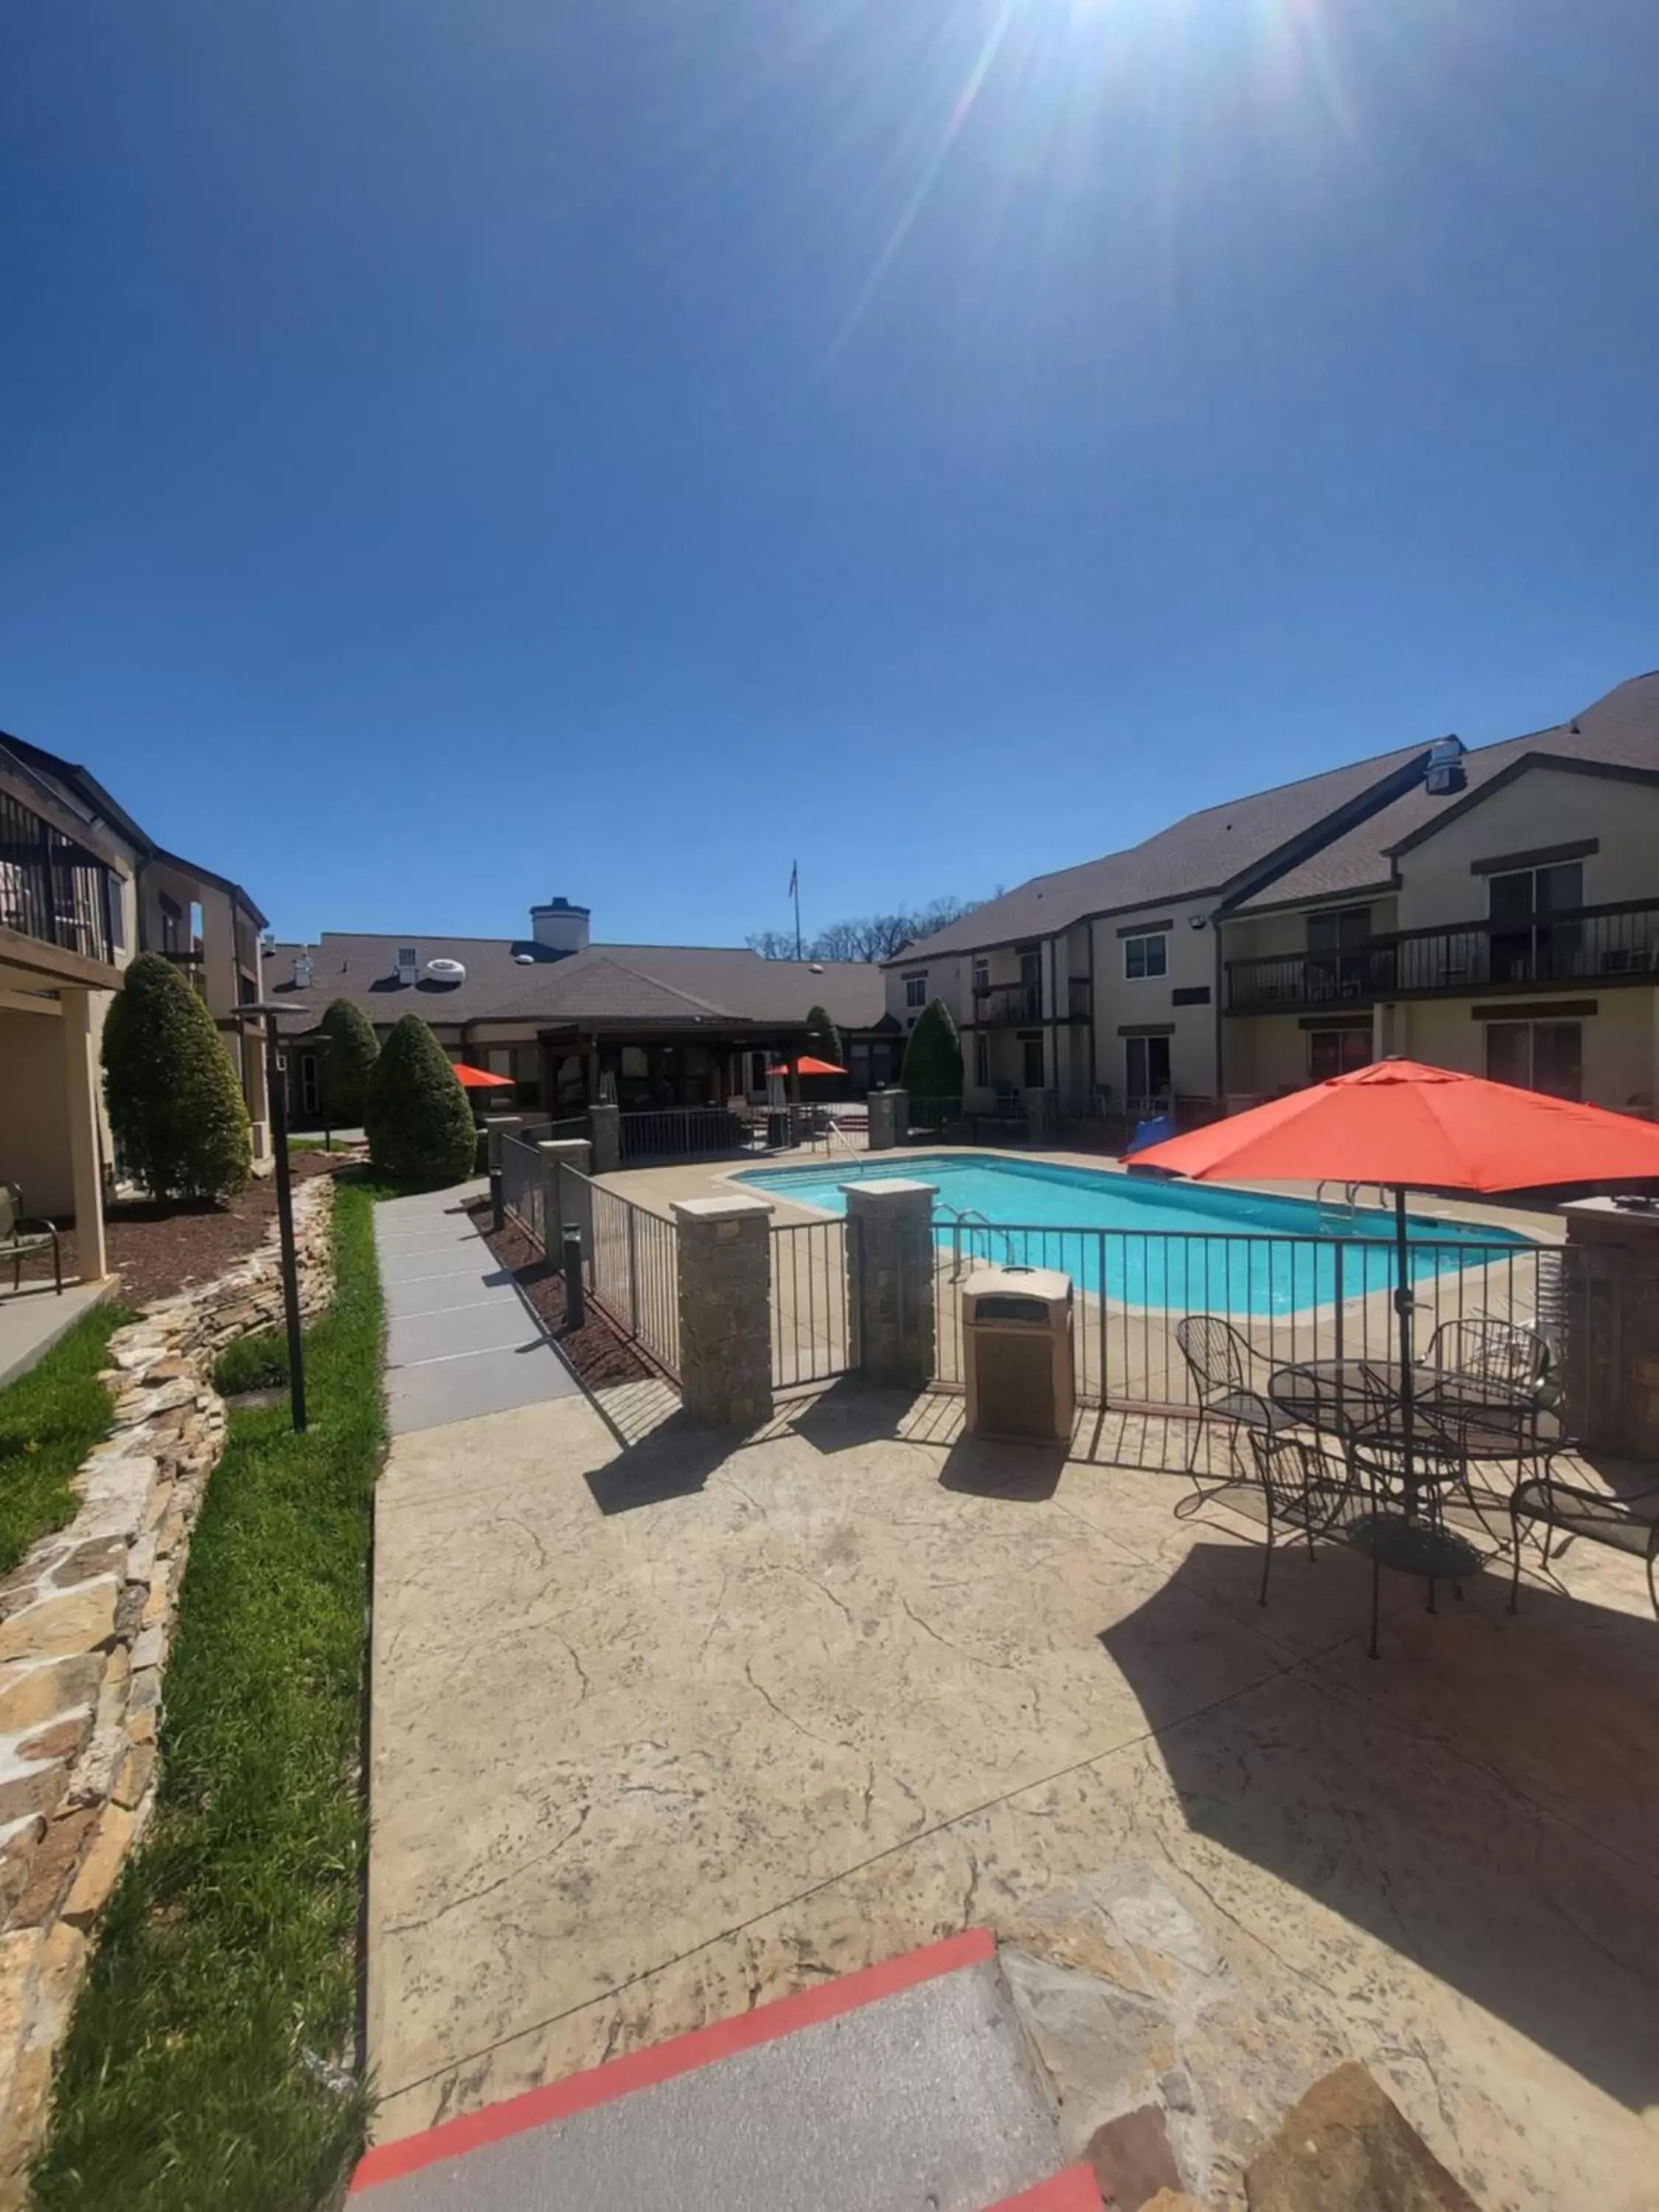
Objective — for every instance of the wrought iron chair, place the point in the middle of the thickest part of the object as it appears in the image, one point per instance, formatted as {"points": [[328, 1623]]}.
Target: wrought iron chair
{"points": [[1624, 1524], [1497, 1353], [1301, 1487], [1222, 1361], [18, 1243]]}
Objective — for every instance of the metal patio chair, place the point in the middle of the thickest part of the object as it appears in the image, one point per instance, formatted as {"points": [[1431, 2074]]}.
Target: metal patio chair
{"points": [[1623, 1524], [18, 1243], [1500, 1353], [1301, 1488], [1222, 1364]]}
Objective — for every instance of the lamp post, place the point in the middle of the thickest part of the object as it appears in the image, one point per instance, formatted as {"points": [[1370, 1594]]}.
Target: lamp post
{"points": [[277, 1087]]}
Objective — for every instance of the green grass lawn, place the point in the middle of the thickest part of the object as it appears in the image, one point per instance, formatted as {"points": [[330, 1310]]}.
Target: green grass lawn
{"points": [[49, 1420], [200, 2073]]}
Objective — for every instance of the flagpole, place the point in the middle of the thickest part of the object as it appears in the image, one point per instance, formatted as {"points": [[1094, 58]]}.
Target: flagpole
{"points": [[794, 885]]}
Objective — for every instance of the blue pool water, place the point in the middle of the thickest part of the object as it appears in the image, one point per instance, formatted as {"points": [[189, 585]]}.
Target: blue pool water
{"points": [[1191, 1247]]}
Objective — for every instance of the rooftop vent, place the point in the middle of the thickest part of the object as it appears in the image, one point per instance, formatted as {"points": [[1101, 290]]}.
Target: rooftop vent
{"points": [[446, 971], [1445, 772], [409, 964], [303, 972], [523, 960]]}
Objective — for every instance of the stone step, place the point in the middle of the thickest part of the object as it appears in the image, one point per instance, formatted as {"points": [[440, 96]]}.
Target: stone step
{"points": [[907, 2087]]}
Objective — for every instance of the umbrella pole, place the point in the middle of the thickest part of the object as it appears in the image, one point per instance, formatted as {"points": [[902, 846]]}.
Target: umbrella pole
{"points": [[1403, 1304]]}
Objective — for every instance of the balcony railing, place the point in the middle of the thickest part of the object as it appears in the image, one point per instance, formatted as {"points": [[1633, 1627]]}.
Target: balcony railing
{"points": [[51, 889], [1005, 1003], [1599, 944]]}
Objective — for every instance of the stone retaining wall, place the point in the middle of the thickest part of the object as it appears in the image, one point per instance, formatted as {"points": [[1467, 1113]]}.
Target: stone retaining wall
{"points": [[84, 1626]]}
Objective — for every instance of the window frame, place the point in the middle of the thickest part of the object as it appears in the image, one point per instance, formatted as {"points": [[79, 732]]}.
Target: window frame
{"points": [[915, 992], [1144, 940]]}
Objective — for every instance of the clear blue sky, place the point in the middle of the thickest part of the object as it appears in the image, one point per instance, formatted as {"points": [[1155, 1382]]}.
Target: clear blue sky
{"points": [[457, 451]]}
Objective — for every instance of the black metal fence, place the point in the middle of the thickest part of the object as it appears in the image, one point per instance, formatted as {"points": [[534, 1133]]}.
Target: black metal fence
{"points": [[1290, 1298], [680, 1132], [524, 1185], [811, 1334], [631, 1260]]}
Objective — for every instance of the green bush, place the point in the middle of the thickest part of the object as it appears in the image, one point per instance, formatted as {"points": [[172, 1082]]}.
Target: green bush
{"points": [[932, 1057], [420, 1126], [346, 1064], [176, 1105], [824, 1038]]}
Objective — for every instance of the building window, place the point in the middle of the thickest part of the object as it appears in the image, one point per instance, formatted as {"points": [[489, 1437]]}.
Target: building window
{"points": [[309, 1091], [1146, 1071], [1530, 944], [1339, 955], [1337, 1052], [1145, 958], [1546, 1056], [981, 978], [916, 990], [981, 1061], [1030, 1050]]}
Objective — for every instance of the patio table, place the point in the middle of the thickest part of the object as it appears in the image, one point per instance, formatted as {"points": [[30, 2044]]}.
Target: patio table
{"points": [[1452, 1415]]}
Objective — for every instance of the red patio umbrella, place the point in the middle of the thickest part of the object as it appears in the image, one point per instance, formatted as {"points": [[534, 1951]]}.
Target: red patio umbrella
{"points": [[1420, 1128], [478, 1078], [807, 1066]]}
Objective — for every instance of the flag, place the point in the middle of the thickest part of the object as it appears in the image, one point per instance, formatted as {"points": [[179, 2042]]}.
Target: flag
{"points": [[794, 877]]}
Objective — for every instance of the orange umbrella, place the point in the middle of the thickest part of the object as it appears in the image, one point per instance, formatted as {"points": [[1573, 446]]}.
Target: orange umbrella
{"points": [[1425, 1128], [807, 1066], [479, 1078]]}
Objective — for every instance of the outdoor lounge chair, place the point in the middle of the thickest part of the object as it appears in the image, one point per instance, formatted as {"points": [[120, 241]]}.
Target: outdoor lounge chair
{"points": [[1624, 1524], [18, 1243], [1221, 1361]]}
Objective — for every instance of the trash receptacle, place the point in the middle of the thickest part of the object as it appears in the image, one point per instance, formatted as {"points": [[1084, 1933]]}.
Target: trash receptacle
{"points": [[1017, 1355]]}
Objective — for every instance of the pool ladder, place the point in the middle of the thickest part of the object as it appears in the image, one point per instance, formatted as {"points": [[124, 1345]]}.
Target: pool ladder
{"points": [[970, 1217]]}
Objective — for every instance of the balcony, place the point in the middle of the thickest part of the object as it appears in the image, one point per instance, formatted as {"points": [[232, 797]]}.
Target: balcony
{"points": [[1592, 944], [56, 897], [1005, 1005]]}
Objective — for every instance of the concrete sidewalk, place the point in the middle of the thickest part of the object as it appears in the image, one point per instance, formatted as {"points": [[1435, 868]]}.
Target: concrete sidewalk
{"points": [[460, 1342]]}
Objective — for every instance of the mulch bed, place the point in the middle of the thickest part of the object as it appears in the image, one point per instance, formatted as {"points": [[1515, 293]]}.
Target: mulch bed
{"points": [[600, 1353], [157, 1248]]}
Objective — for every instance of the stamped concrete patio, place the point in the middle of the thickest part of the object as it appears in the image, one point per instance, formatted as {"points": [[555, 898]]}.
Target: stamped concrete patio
{"points": [[665, 1727]]}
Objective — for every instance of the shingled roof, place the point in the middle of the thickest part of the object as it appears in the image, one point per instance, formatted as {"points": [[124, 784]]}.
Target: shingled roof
{"points": [[1324, 834], [517, 980], [1620, 730]]}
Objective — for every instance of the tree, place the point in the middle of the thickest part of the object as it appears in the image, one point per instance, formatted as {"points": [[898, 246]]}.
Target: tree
{"points": [[823, 1037], [175, 1106], [868, 937], [346, 1064], [932, 1057], [420, 1126]]}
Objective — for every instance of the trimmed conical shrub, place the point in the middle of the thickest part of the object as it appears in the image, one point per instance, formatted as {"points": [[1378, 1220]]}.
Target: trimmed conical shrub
{"points": [[932, 1057], [823, 1037], [420, 1126], [175, 1106], [346, 1064]]}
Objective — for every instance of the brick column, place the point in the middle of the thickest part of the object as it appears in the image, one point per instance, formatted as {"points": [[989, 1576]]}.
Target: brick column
{"points": [[1611, 1378], [889, 1118], [604, 1127], [499, 1128], [562, 1200], [889, 1282], [724, 1253]]}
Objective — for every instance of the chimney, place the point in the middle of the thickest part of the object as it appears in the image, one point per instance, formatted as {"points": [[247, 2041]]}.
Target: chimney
{"points": [[559, 925]]}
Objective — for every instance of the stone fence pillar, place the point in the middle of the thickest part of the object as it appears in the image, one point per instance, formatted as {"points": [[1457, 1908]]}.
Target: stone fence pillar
{"points": [[498, 1128], [725, 1258], [889, 1282], [604, 1127], [562, 1198], [889, 1118], [1610, 1386]]}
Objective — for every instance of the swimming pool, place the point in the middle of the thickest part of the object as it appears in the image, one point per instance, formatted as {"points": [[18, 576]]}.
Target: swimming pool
{"points": [[1188, 1247]]}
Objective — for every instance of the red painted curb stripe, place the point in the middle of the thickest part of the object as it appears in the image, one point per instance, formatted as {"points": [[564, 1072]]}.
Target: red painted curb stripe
{"points": [[1074, 2191], [663, 2061]]}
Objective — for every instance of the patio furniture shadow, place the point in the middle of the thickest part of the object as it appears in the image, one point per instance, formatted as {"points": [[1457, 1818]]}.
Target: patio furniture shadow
{"points": [[1484, 1801], [848, 1414]]}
